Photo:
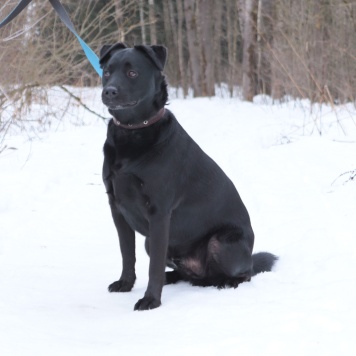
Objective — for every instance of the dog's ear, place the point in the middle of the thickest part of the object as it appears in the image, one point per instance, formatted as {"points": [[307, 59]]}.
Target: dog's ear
{"points": [[106, 50], [157, 54]]}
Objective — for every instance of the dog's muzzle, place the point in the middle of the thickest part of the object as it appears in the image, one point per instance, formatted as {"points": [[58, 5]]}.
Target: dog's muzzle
{"points": [[114, 100]]}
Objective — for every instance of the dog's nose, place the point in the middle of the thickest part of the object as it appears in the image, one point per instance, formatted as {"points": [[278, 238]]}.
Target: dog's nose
{"points": [[110, 92]]}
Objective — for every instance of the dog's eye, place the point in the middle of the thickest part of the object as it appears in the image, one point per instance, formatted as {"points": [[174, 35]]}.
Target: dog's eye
{"points": [[106, 73], [132, 74]]}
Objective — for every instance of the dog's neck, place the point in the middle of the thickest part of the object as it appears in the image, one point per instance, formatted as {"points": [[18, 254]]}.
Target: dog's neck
{"points": [[152, 120]]}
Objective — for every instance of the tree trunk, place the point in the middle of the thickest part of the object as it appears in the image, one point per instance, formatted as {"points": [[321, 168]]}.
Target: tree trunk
{"points": [[152, 16], [265, 35], [249, 79], [217, 34], [183, 76], [207, 55], [119, 17], [142, 22], [193, 46], [232, 34]]}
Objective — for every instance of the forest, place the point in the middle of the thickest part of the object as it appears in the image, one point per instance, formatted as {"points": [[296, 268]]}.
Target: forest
{"points": [[282, 48]]}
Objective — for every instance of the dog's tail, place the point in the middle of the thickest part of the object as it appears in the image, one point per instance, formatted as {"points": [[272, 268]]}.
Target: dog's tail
{"points": [[263, 262]]}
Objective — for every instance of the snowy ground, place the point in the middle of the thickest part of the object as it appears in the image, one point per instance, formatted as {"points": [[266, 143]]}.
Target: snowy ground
{"points": [[59, 250]]}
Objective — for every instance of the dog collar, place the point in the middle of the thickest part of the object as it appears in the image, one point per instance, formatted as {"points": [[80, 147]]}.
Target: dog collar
{"points": [[143, 124]]}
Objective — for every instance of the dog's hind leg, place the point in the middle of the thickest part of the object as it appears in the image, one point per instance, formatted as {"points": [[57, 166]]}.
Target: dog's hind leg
{"points": [[173, 277], [232, 254]]}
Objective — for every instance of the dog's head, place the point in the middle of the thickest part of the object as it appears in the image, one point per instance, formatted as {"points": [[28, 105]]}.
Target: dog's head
{"points": [[133, 83]]}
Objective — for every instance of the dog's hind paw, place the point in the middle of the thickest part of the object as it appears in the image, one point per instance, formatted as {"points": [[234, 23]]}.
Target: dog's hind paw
{"points": [[172, 277], [147, 303], [120, 286]]}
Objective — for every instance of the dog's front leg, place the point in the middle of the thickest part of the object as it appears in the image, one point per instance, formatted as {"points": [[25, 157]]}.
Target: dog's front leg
{"points": [[158, 245], [127, 247]]}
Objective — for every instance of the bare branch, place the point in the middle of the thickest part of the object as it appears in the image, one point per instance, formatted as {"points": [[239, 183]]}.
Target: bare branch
{"points": [[79, 100]]}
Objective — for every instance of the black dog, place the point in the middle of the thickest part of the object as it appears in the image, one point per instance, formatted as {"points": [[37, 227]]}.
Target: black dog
{"points": [[161, 184]]}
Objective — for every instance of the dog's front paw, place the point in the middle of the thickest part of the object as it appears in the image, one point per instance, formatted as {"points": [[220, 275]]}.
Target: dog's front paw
{"points": [[147, 303], [121, 286]]}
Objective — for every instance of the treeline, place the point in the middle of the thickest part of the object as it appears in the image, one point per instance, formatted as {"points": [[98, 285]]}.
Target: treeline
{"points": [[300, 49]]}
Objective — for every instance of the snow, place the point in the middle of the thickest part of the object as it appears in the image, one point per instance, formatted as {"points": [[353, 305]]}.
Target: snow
{"points": [[59, 250]]}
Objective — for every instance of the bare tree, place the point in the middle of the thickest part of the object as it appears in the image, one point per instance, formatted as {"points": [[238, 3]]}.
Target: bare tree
{"points": [[303, 48], [142, 22], [119, 19], [183, 76], [233, 30], [249, 79], [152, 17], [39, 52], [206, 48], [190, 12], [265, 44]]}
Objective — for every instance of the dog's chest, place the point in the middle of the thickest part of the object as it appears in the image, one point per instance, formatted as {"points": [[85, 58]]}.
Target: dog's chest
{"points": [[127, 187], [130, 197]]}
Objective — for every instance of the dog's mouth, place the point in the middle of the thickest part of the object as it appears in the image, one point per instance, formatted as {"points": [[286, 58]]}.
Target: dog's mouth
{"points": [[121, 106]]}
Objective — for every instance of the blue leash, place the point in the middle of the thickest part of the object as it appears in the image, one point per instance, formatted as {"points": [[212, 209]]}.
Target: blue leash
{"points": [[58, 7]]}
